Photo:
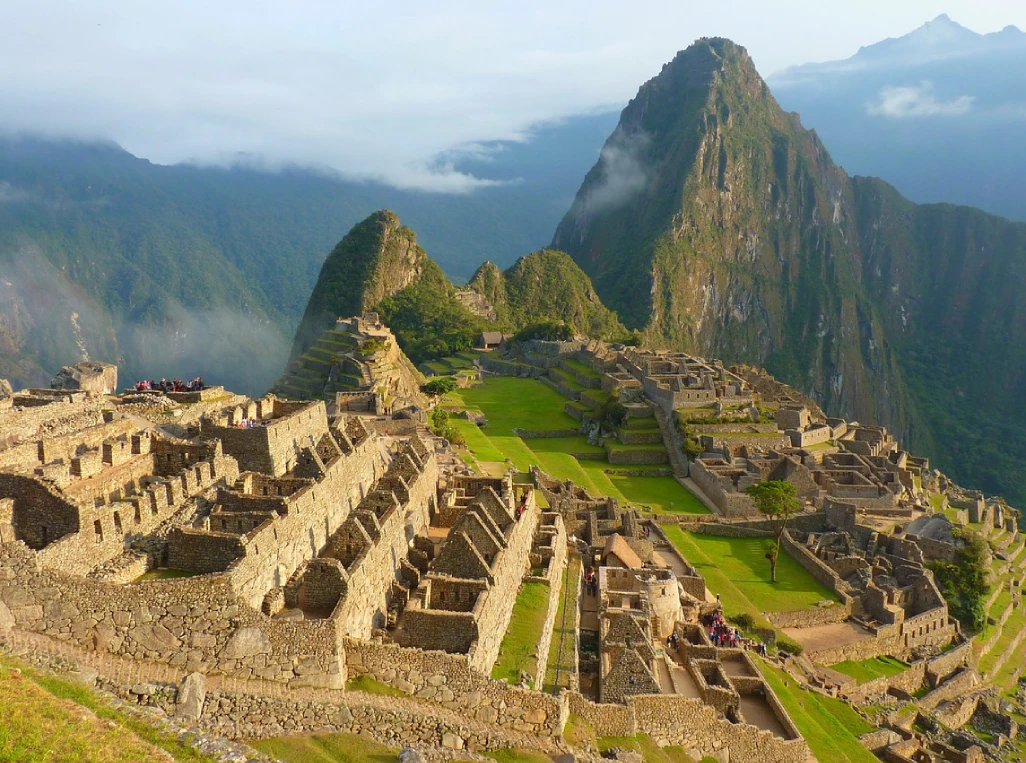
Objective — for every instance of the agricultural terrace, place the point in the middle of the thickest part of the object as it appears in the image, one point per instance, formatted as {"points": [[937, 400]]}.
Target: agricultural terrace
{"points": [[737, 570], [519, 650], [870, 669], [510, 403], [830, 726]]}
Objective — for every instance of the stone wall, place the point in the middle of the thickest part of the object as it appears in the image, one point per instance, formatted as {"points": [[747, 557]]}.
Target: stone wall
{"points": [[508, 570], [729, 503], [272, 552], [820, 571], [194, 623], [555, 580], [960, 683], [271, 449], [676, 720], [365, 604], [808, 618], [941, 667], [907, 681], [449, 679]]}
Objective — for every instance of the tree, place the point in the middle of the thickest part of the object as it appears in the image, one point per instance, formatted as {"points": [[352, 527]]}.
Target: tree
{"points": [[778, 500], [440, 385]]}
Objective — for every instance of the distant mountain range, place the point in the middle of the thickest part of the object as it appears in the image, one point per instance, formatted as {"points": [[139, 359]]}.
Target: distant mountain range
{"points": [[182, 270], [939, 113]]}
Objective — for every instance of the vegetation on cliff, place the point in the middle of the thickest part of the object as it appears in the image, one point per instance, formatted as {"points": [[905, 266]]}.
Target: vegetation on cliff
{"points": [[718, 225], [546, 286], [380, 266]]}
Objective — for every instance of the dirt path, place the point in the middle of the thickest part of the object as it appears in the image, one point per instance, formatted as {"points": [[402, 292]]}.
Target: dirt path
{"points": [[821, 637]]}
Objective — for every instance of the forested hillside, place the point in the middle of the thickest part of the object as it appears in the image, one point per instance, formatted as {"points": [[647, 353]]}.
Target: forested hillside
{"points": [[182, 270]]}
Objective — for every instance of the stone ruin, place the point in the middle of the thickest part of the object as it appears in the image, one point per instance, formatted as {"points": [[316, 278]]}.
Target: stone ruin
{"points": [[88, 376], [284, 549]]}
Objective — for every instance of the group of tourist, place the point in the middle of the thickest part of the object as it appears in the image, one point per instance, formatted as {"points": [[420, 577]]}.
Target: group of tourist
{"points": [[175, 385], [591, 583], [522, 505], [252, 424], [720, 632]]}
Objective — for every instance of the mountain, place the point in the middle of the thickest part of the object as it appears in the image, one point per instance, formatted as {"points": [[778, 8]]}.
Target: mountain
{"points": [[545, 286], [183, 270], [377, 258], [719, 225], [379, 266], [939, 113]]}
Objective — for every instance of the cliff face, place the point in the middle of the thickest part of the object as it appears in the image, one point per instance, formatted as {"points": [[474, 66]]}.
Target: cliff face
{"points": [[376, 259], [717, 224], [546, 286]]}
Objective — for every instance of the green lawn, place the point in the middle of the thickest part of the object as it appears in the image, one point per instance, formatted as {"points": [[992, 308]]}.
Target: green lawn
{"points": [[644, 744], [868, 670], [582, 369], [736, 568], [561, 653], [519, 648], [511, 403], [477, 442], [572, 445], [664, 494], [326, 748], [46, 718], [830, 726]]}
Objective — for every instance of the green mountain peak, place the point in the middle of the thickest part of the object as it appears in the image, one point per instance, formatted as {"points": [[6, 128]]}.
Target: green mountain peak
{"points": [[377, 258]]}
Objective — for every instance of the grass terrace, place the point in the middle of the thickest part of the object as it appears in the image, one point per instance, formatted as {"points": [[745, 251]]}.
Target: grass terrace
{"points": [[564, 634], [873, 668], [326, 748], [737, 569], [519, 649], [45, 718], [830, 726], [527, 404]]}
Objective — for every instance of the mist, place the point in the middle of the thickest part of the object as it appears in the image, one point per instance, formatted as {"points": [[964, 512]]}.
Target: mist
{"points": [[623, 173], [223, 346]]}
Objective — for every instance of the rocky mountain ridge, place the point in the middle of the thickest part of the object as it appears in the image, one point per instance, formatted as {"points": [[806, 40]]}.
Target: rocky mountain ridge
{"points": [[717, 224]]}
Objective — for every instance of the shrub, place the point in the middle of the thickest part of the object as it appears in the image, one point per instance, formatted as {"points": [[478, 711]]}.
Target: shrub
{"points": [[964, 583], [440, 385], [788, 646], [744, 621], [550, 331]]}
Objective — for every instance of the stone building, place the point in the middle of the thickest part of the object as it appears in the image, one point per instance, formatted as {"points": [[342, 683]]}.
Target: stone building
{"points": [[464, 601]]}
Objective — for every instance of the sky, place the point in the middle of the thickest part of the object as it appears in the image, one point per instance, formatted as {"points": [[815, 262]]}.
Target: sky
{"points": [[377, 90]]}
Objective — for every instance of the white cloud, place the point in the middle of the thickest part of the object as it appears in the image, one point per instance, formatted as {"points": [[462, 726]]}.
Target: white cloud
{"points": [[372, 90], [10, 194], [624, 174], [903, 102]]}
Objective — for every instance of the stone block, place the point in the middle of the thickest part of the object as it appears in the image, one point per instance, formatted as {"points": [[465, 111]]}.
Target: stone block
{"points": [[192, 693], [154, 637], [6, 618], [246, 642]]}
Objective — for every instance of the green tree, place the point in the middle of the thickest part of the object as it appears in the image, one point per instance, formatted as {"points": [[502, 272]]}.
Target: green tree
{"points": [[440, 385], [964, 582], [778, 500]]}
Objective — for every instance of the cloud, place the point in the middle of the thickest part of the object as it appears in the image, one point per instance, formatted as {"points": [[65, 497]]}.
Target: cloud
{"points": [[903, 102], [623, 173], [10, 194]]}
